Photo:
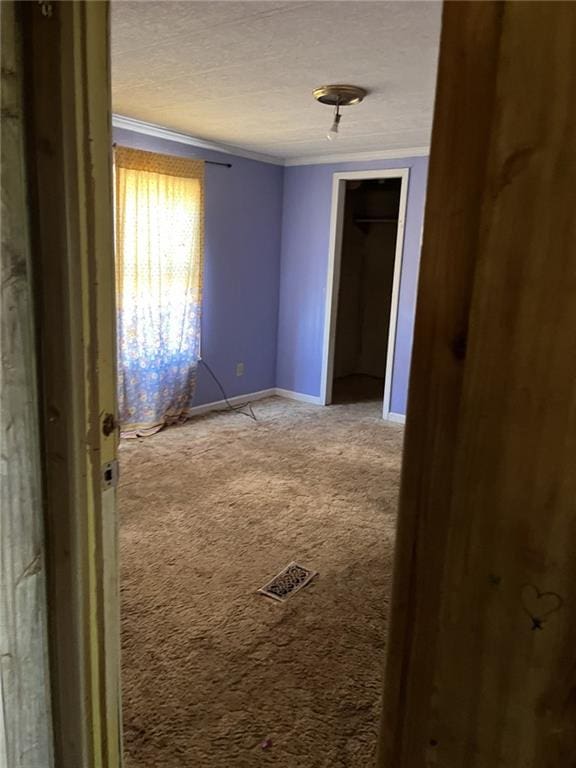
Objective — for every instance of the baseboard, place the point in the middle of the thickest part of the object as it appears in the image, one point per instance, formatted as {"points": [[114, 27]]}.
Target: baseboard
{"points": [[217, 405], [397, 418], [290, 395]]}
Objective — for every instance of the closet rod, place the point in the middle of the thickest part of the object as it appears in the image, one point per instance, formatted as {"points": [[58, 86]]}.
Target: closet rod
{"points": [[375, 220]]}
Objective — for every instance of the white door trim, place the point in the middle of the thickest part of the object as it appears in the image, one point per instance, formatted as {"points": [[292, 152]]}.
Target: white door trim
{"points": [[333, 277]]}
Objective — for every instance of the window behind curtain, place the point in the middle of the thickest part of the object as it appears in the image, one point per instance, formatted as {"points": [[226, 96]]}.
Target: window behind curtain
{"points": [[159, 207]]}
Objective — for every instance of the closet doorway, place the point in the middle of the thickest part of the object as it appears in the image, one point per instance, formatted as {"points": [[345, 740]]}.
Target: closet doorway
{"points": [[367, 234]]}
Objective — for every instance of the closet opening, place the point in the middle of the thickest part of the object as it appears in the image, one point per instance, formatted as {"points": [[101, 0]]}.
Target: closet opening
{"points": [[364, 285]]}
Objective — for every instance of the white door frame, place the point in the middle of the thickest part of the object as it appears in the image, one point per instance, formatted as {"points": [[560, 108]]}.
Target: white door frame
{"points": [[333, 280]]}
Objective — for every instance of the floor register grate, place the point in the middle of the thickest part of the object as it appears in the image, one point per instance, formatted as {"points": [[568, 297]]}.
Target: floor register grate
{"points": [[289, 581]]}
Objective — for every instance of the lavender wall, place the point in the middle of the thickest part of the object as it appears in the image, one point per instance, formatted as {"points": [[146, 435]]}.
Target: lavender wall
{"points": [[266, 261], [241, 268], [304, 266]]}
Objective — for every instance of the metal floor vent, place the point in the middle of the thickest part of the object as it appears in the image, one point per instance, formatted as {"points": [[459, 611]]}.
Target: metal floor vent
{"points": [[287, 582]]}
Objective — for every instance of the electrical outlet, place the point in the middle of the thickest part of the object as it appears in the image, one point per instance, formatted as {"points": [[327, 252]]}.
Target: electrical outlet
{"points": [[239, 369]]}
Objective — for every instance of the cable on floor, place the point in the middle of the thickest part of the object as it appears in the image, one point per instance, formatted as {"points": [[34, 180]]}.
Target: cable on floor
{"points": [[235, 408]]}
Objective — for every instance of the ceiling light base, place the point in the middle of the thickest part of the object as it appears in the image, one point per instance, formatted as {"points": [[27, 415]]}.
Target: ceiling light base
{"points": [[339, 95]]}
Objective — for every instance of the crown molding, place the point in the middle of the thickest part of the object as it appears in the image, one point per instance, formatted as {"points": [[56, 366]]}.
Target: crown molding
{"points": [[150, 129], [359, 157]]}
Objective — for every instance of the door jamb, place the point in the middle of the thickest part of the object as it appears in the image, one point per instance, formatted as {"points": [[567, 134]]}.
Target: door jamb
{"points": [[67, 92], [333, 277]]}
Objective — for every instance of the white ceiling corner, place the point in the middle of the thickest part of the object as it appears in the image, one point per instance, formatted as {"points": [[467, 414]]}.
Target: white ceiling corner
{"points": [[241, 74]]}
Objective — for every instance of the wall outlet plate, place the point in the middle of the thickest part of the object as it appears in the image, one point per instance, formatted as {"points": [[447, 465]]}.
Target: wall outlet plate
{"points": [[239, 369]]}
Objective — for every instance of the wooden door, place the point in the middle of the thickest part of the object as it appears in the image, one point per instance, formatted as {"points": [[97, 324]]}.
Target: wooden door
{"points": [[481, 668]]}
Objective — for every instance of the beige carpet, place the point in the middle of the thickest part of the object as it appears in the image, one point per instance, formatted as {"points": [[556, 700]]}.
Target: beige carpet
{"points": [[212, 510]]}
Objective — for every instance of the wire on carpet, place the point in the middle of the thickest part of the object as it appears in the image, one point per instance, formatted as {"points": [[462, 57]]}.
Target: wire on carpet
{"points": [[235, 408]]}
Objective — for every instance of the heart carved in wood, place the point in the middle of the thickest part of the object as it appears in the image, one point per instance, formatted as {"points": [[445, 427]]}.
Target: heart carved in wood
{"points": [[538, 605]]}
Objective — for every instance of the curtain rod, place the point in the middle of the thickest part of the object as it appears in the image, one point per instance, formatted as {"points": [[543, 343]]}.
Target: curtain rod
{"points": [[208, 162]]}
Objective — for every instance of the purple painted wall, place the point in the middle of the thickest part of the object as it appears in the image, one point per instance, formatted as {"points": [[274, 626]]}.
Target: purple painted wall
{"points": [[304, 267], [265, 270], [241, 267]]}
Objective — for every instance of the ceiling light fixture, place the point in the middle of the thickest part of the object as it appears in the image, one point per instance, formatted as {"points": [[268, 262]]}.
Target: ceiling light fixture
{"points": [[338, 96]]}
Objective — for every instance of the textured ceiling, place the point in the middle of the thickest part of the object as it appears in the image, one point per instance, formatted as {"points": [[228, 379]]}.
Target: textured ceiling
{"points": [[243, 72]]}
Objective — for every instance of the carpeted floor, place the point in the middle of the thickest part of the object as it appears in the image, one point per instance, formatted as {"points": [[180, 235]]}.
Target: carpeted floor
{"points": [[210, 511]]}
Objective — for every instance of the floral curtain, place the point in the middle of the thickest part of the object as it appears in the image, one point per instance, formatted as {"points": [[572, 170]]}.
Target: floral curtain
{"points": [[159, 207]]}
